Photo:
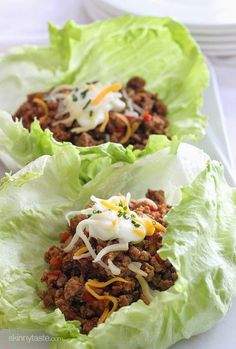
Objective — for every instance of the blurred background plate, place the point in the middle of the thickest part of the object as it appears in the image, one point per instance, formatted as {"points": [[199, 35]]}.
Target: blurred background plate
{"points": [[209, 15], [211, 24]]}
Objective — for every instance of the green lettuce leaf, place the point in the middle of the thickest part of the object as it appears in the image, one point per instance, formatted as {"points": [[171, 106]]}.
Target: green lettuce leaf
{"points": [[159, 49], [200, 243], [19, 147]]}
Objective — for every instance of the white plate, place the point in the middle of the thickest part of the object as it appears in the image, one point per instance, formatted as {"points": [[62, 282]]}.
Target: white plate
{"points": [[220, 39], [214, 14], [220, 53], [210, 44], [216, 143], [114, 8], [218, 46], [94, 12]]}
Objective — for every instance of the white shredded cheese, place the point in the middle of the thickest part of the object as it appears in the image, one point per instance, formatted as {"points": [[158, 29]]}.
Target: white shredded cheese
{"points": [[136, 269]]}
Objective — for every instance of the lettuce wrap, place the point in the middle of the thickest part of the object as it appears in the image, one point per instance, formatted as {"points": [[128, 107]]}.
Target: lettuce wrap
{"points": [[158, 49], [200, 243]]}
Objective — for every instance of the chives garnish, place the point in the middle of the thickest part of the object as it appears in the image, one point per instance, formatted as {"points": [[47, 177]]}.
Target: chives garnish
{"points": [[74, 98], [91, 113], [84, 93], [87, 104], [96, 211]]}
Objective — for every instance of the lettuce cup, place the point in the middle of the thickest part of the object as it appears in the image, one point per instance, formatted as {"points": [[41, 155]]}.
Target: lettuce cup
{"points": [[157, 269], [119, 80]]}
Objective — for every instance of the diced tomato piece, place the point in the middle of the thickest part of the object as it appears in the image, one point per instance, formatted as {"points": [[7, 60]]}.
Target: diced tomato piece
{"points": [[130, 117], [147, 117], [64, 236], [120, 129], [158, 258], [118, 135], [88, 297], [54, 273], [153, 208], [55, 262]]}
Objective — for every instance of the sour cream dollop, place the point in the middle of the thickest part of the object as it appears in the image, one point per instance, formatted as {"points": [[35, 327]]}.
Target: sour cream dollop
{"points": [[108, 220], [90, 104]]}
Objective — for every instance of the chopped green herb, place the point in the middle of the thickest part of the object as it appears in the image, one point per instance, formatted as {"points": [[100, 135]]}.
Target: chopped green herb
{"points": [[84, 93], [91, 82], [74, 98], [96, 211], [87, 104], [135, 224], [121, 204], [90, 113]]}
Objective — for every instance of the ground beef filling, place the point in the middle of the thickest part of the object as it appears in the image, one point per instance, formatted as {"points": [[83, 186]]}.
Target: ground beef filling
{"points": [[66, 277], [152, 119]]}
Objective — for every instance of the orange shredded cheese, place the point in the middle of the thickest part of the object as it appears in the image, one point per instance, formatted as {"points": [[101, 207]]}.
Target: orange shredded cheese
{"points": [[128, 128], [150, 225], [159, 226], [106, 298], [103, 93], [81, 251], [105, 122], [104, 315], [102, 298], [110, 206], [134, 126], [98, 284], [139, 232], [42, 104]]}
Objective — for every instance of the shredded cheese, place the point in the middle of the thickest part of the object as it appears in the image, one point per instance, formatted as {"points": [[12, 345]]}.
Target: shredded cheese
{"points": [[136, 269], [109, 205], [84, 255], [104, 92], [81, 251], [134, 126], [104, 315], [42, 104], [159, 226], [145, 288], [99, 284], [113, 268], [105, 122], [121, 246], [128, 128], [102, 298], [139, 232]]}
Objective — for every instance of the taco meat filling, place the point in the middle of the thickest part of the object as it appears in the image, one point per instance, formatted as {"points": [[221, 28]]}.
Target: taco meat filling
{"points": [[108, 259], [94, 114]]}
